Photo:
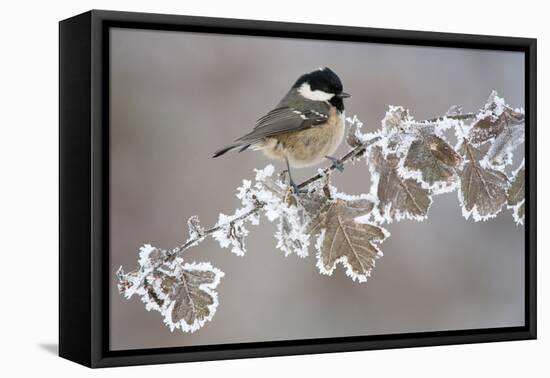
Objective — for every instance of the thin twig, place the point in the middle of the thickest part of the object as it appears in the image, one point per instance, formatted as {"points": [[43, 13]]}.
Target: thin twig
{"points": [[458, 117], [176, 251]]}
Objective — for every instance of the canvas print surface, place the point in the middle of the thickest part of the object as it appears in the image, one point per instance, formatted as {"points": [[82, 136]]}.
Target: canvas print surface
{"points": [[253, 199]]}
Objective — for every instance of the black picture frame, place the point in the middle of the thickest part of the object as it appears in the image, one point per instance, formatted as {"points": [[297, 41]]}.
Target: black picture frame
{"points": [[84, 187]]}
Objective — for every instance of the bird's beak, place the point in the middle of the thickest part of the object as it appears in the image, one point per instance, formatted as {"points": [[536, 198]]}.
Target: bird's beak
{"points": [[343, 95]]}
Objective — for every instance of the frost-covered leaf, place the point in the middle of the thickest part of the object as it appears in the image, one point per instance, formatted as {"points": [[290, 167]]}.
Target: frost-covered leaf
{"points": [[230, 230], [396, 131], [491, 120], [292, 235], [396, 197], [486, 128], [490, 125], [397, 117], [356, 139], [501, 151], [482, 191], [182, 292], [341, 239], [280, 206], [501, 126], [519, 213], [434, 160], [191, 294], [354, 136], [196, 231], [313, 203], [357, 206], [231, 233], [516, 194]]}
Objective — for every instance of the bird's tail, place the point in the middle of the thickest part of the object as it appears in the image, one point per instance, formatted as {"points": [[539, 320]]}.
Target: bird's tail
{"points": [[231, 147]]}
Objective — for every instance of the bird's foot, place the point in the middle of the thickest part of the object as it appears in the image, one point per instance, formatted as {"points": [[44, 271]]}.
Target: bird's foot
{"points": [[295, 188], [336, 163]]}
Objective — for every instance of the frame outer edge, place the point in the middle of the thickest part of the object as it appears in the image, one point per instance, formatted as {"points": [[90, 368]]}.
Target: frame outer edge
{"points": [[531, 232], [74, 189], [100, 194]]}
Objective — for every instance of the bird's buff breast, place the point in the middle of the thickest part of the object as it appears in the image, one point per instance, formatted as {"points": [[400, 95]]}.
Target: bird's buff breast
{"points": [[310, 146]]}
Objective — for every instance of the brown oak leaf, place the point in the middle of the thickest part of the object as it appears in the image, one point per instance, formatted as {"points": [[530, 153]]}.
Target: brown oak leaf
{"points": [[482, 189], [191, 302], [434, 159], [398, 197], [502, 127], [343, 240], [182, 292], [491, 126]]}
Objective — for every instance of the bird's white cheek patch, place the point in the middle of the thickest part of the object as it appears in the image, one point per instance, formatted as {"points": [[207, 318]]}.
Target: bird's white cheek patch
{"points": [[316, 95]]}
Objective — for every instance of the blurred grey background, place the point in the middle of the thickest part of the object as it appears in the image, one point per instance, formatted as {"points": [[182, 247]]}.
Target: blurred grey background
{"points": [[176, 97]]}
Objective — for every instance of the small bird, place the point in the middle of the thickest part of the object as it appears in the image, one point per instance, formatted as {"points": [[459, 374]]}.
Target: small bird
{"points": [[305, 127]]}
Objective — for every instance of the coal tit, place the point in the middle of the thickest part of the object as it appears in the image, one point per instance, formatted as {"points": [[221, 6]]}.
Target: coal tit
{"points": [[305, 127]]}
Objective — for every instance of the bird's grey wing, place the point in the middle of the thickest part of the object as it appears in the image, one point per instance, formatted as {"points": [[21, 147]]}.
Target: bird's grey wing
{"points": [[284, 119]]}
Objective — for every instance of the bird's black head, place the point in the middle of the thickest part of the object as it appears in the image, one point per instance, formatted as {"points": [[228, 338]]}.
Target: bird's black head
{"points": [[322, 85]]}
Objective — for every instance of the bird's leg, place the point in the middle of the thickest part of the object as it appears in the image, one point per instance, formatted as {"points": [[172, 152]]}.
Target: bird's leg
{"points": [[336, 162], [291, 181]]}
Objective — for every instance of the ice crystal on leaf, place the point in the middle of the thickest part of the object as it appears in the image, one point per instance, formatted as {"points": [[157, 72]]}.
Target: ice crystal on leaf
{"points": [[516, 194]]}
